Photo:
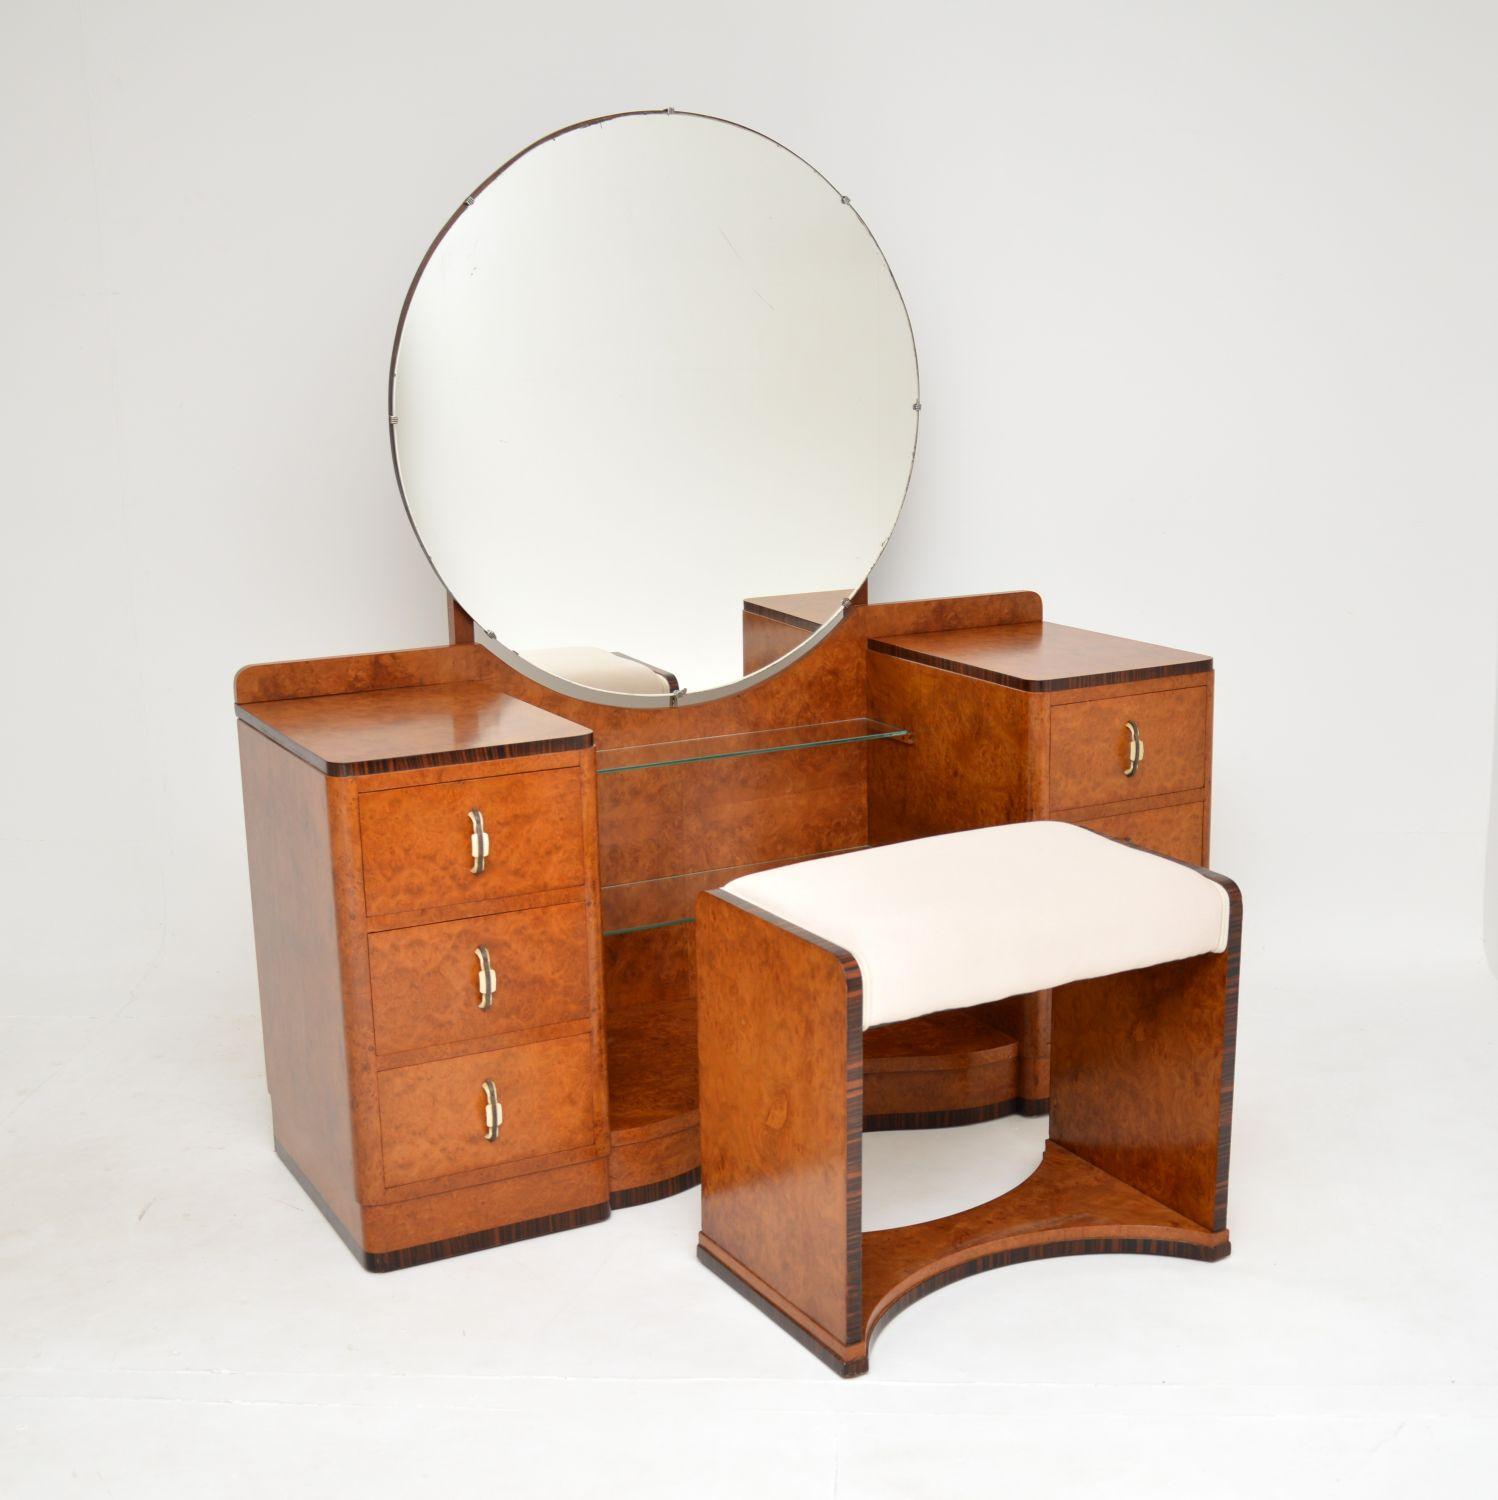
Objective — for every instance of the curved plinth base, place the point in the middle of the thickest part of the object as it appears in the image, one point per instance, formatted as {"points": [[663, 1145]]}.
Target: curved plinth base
{"points": [[653, 1192], [941, 1119], [1066, 1207], [955, 1067]]}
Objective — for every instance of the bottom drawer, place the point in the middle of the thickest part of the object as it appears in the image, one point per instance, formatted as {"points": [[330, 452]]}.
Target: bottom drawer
{"points": [[1179, 832], [432, 1115]]}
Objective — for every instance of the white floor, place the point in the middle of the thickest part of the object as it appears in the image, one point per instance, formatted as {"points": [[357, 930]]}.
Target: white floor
{"points": [[177, 1319]]}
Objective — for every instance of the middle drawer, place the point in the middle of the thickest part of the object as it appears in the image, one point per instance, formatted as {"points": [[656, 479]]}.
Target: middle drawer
{"points": [[427, 984]]}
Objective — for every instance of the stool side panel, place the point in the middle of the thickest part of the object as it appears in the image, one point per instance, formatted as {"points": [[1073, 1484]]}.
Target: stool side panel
{"points": [[1138, 1062], [780, 1043], [1233, 954]]}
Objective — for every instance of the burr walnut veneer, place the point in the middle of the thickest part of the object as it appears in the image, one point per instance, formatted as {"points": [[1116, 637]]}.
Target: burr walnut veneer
{"points": [[458, 1057], [1137, 1159]]}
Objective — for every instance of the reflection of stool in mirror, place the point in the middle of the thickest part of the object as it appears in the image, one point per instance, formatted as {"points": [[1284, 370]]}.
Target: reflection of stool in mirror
{"points": [[610, 671], [793, 963]]}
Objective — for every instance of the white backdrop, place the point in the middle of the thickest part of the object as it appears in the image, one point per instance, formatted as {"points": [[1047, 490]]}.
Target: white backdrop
{"points": [[1205, 305]]}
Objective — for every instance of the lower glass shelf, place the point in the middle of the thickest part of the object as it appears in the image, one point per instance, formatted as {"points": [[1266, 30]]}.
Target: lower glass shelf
{"points": [[643, 905], [752, 742]]}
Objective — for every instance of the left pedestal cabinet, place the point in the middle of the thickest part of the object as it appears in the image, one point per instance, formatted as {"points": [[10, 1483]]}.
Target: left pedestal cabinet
{"points": [[424, 877]]}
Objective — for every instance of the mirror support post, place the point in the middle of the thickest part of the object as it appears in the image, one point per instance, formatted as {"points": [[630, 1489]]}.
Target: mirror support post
{"points": [[459, 624]]}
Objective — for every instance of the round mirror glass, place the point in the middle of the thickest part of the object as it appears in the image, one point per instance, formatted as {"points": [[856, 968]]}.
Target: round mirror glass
{"points": [[654, 367]]}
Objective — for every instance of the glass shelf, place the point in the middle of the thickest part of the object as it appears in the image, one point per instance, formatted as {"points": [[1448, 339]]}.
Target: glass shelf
{"points": [[753, 742], [643, 905]]}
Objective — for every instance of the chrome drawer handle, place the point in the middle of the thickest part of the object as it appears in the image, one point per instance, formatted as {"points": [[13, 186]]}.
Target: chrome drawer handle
{"points": [[1136, 749], [486, 979], [478, 842], [494, 1111]]}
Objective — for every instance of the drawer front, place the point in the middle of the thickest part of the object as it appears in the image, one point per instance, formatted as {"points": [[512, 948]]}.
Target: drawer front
{"points": [[425, 982], [417, 841], [432, 1114], [1090, 747], [1179, 832]]}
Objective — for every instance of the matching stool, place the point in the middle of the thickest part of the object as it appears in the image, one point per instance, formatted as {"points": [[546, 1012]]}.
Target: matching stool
{"points": [[794, 963]]}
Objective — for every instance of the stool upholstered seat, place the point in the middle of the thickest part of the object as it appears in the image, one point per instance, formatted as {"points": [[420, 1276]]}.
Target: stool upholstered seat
{"points": [[963, 918]]}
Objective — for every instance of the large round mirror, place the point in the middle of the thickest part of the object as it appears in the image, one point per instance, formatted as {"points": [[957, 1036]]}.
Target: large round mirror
{"points": [[654, 367]]}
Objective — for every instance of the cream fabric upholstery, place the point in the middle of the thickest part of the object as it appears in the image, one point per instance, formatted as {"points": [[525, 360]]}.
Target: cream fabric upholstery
{"points": [[594, 667], [968, 917]]}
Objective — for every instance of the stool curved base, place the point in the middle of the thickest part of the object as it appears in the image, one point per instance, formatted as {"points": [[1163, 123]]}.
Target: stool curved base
{"points": [[1066, 1206]]}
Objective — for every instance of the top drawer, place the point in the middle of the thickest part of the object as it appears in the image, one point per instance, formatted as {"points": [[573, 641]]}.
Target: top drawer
{"points": [[418, 850], [1090, 747]]}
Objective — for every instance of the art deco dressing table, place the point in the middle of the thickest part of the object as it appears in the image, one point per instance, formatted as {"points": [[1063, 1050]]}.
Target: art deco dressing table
{"points": [[473, 879]]}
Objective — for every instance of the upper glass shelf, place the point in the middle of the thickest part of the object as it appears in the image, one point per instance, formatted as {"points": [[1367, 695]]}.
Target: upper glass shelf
{"points": [[753, 742]]}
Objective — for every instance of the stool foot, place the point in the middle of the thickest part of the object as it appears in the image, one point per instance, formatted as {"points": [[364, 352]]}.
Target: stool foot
{"points": [[839, 1358]]}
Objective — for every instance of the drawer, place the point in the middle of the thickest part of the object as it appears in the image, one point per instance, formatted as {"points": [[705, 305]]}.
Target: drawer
{"points": [[425, 981], [1090, 747], [417, 841], [432, 1114], [1179, 832]]}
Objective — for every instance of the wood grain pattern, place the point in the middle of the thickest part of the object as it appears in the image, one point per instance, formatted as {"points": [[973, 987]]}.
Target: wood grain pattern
{"points": [[776, 624], [1028, 1019], [297, 955], [646, 1171], [653, 1066], [432, 1114], [652, 1052], [1066, 1207], [1089, 747], [976, 758], [1142, 1085], [335, 1111], [1179, 831], [654, 1191], [966, 760], [459, 624], [961, 612], [781, 1050], [806, 612], [373, 671], [417, 849], [1038, 656], [767, 639], [443, 1249], [953, 1067], [472, 1218], [424, 979], [410, 728], [714, 814], [485, 1239], [1136, 1070], [837, 1355]]}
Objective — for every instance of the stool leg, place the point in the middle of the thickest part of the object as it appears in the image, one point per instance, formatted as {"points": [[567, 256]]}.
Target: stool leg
{"points": [[780, 1047]]}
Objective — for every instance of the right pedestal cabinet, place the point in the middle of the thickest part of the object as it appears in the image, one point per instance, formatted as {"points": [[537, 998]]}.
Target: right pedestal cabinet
{"points": [[1034, 720]]}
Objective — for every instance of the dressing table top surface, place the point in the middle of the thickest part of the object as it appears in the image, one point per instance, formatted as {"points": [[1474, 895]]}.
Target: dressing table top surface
{"points": [[409, 728], [1041, 657]]}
